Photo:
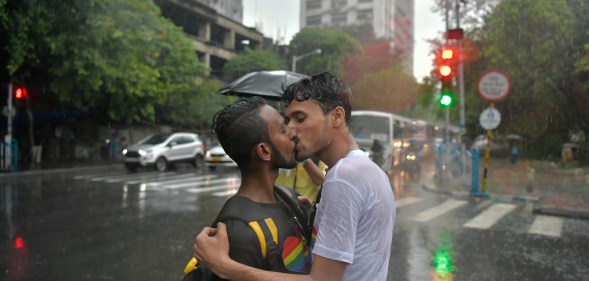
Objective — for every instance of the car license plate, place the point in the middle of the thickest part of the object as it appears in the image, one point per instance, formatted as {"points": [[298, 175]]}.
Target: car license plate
{"points": [[216, 159]]}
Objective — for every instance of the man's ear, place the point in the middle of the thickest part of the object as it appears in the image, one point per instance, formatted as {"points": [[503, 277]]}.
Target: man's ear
{"points": [[263, 151], [338, 116]]}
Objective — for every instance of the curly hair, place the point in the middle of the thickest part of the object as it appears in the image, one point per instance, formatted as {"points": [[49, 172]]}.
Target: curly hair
{"points": [[239, 127], [325, 89]]}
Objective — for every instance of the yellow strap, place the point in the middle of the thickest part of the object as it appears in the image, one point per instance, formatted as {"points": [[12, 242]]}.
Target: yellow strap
{"points": [[256, 227], [191, 266], [273, 229]]}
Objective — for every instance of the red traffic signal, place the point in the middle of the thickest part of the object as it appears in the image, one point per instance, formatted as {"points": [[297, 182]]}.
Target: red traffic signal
{"points": [[20, 93], [445, 67]]}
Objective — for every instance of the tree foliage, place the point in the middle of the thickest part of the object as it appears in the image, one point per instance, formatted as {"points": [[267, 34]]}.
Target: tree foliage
{"points": [[540, 45], [119, 57], [391, 90], [335, 46], [253, 60]]}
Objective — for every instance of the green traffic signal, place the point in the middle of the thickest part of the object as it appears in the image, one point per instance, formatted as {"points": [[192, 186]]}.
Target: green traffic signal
{"points": [[446, 99]]}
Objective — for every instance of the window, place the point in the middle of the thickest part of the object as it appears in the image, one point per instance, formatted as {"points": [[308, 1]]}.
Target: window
{"points": [[364, 15], [339, 18], [336, 4], [313, 5], [313, 20]]}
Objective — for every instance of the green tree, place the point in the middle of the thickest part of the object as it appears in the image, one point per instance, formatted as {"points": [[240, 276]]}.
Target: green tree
{"points": [[390, 90], [518, 37], [335, 46], [251, 60], [118, 57]]}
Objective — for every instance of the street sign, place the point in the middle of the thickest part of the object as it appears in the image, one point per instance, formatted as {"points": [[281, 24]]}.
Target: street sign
{"points": [[490, 118], [494, 86]]}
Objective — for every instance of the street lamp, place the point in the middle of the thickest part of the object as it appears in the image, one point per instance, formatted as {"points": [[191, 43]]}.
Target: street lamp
{"points": [[297, 58]]}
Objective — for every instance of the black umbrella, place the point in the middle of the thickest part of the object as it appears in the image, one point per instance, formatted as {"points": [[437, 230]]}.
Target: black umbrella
{"points": [[266, 84]]}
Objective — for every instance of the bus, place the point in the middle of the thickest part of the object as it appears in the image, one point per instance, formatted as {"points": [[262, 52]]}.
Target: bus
{"points": [[369, 127]]}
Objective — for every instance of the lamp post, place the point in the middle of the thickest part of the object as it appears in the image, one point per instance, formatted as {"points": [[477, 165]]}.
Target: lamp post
{"points": [[297, 58]]}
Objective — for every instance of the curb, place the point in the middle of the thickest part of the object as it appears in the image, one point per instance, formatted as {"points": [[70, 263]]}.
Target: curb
{"points": [[430, 186], [562, 212]]}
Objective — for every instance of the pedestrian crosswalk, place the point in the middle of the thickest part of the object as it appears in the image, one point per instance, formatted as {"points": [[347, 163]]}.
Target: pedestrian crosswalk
{"points": [[192, 183], [485, 214], [542, 225]]}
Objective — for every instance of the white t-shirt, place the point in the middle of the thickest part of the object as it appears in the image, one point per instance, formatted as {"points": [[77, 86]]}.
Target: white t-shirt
{"points": [[355, 218]]}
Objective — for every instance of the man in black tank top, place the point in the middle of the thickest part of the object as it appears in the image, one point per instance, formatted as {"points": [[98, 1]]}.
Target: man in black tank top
{"points": [[263, 231]]}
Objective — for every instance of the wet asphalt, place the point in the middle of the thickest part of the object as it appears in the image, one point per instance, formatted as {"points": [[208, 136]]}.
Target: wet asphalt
{"points": [[103, 223]]}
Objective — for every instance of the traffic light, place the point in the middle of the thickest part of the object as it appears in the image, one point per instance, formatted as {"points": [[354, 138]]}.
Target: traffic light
{"points": [[446, 99], [20, 93], [446, 72]]}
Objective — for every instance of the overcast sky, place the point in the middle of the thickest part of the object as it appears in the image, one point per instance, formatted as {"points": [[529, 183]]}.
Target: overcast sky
{"points": [[280, 18]]}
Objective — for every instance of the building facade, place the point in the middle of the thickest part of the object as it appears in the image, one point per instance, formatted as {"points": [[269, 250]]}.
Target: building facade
{"points": [[217, 38], [232, 9], [391, 20]]}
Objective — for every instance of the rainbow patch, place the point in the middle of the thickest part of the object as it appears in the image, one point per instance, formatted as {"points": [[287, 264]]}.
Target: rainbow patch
{"points": [[295, 254], [313, 236]]}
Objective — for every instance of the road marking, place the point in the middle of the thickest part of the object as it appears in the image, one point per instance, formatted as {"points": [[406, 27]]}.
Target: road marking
{"points": [[225, 193], [144, 176], [439, 210], [83, 177], [165, 179], [230, 182], [490, 216], [546, 225], [406, 201], [212, 188], [181, 180]]}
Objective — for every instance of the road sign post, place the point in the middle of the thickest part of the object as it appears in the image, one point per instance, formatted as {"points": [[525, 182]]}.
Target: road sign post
{"points": [[492, 86]]}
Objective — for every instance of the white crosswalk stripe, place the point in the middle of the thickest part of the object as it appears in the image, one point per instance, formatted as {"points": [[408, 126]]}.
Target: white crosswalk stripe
{"points": [[490, 216], [88, 176], [439, 210], [225, 193], [212, 188], [170, 178], [547, 226], [148, 176], [191, 179], [206, 182], [406, 201]]}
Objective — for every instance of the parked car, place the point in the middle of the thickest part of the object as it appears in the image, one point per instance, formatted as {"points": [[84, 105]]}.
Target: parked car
{"points": [[216, 157], [162, 150]]}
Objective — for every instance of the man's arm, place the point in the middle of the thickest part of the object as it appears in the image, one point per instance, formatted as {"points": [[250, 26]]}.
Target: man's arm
{"points": [[212, 249], [315, 174]]}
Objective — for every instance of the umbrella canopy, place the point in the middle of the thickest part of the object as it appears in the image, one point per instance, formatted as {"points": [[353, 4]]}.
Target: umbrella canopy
{"points": [[514, 137], [266, 84]]}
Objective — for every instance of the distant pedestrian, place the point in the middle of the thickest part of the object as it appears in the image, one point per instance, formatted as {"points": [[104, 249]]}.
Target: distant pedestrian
{"points": [[513, 154]]}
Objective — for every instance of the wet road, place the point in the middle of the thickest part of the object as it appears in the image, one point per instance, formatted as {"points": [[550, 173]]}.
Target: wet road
{"points": [[106, 224]]}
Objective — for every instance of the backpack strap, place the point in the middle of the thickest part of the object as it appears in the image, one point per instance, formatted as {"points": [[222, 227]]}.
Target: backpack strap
{"points": [[252, 214], [297, 212]]}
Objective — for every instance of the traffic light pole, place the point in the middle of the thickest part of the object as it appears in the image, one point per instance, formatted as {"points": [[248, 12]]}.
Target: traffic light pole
{"points": [[6, 162], [8, 137]]}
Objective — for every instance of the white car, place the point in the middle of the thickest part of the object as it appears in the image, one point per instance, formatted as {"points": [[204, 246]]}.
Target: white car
{"points": [[161, 150], [216, 157]]}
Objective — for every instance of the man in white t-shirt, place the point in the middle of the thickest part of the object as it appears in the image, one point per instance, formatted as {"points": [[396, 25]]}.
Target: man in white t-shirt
{"points": [[356, 213]]}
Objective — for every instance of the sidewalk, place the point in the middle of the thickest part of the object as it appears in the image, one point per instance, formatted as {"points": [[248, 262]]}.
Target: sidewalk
{"points": [[552, 189]]}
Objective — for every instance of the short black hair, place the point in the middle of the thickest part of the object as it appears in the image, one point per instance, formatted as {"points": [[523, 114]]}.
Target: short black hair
{"points": [[239, 128], [326, 89]]}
